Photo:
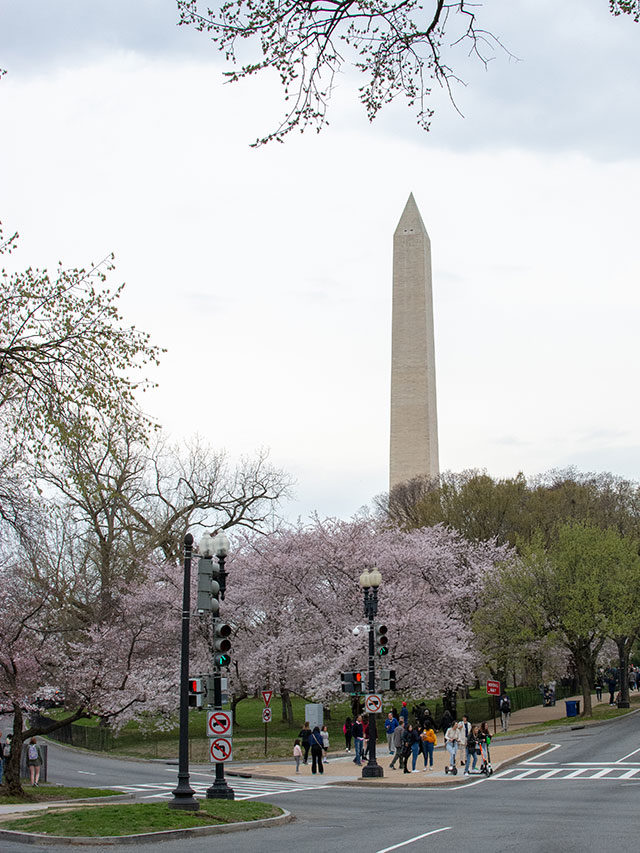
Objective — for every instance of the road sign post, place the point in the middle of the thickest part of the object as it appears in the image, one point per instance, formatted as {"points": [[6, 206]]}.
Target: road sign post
{"points": [[493, 690], [266, 714]]}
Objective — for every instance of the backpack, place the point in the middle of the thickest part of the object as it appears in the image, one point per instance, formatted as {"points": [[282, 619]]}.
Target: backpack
{"points": [[506, 705], [33, 751], [6, 750]]}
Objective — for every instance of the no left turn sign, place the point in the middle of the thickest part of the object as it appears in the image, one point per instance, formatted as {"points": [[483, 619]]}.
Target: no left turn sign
{"points": [[219, 723], [220, 749], [373, 703]]}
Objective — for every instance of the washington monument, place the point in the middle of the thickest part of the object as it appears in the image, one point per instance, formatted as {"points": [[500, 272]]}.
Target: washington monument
{"points": [[414, 421]]}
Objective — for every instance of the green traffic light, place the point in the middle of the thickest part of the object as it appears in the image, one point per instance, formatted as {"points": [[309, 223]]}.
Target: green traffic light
{"points": [[223, 660], [383, 650]]}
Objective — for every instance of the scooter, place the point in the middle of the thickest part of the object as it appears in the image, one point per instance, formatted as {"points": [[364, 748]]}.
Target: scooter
{"points": [[485, 766]]}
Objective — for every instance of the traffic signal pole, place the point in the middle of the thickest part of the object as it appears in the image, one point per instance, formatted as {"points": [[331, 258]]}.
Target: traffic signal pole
{"points": [[219, 789]]}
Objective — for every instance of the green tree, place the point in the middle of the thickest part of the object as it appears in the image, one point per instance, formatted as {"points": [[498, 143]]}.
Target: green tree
{"points": [[400, 49], [560, 593]]}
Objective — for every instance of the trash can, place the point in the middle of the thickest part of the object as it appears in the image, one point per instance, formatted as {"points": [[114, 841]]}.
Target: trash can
{"points": [[573, 707]]}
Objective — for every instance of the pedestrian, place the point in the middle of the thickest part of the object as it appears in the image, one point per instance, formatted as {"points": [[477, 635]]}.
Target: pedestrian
{"points": [[398, 741], [304, 735], [599, 686], [365, 742], [429, 741], [404, 713], [34, 761], [451, 744], [552, 691], [315, 742], [1, 758], [407, 747], [348, 725], [394, 711], [471, 747], [505, 711], [325, 742], [358, 739], [447, 720], [415, 744], [428, 721], [390, 725], [611, 686], [297, 753], [464, 730]]}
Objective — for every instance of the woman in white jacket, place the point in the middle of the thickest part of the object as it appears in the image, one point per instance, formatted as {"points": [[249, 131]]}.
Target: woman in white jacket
{"points": [[451, 742]]}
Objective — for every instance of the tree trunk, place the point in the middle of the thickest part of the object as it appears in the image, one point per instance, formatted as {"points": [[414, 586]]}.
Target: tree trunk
{"points": [[287, 707], [236, 698], [11, 771], [624, 649], [583, 668]]}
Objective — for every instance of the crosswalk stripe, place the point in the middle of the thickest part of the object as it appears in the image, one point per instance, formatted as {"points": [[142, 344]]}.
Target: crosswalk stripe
{"points": [[550, 773], [612, 773]]}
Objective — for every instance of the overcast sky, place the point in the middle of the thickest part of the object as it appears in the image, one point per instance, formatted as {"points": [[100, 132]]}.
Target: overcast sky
{"points": [[267, 272]]}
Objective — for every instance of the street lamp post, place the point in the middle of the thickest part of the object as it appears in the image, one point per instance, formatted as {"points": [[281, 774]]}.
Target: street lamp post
{"points": [[183, 794], [219, 789], [370, 581]]}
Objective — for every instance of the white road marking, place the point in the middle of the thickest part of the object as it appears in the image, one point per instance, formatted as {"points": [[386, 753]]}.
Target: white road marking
{"points": [[546, 752], [525, 774], [629, 774], [575, 773], [601, 773], [624, 758], [416, 838], [244, 789], [550, 773], [86, 773]]}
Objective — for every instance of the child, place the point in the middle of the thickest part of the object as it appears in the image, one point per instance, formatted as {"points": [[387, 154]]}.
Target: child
{"points": [[297, 753]]}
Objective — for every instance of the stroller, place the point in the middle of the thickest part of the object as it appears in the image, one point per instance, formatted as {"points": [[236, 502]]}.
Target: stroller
{"points": [[485, 764]]}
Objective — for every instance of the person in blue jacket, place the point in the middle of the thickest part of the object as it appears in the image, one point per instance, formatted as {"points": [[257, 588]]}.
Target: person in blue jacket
{"points": [[390, 725]]}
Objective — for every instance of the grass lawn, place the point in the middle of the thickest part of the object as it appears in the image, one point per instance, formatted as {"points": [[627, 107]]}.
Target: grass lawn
{"points": [[48, 793], [116, 820]]}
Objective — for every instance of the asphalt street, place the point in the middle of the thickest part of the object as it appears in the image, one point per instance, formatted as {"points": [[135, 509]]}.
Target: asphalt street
{"points": [[582, 794]]}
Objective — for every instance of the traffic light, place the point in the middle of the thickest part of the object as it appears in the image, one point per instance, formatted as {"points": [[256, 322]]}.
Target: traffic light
{"points": [[208, 588], [387, 679], [221, 643], [352, 682], [196, 692], [382, 641]]}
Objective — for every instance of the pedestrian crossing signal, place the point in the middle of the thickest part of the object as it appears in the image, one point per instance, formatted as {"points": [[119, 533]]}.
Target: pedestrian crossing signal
{"points": [[387, 679], [352, 682], [196, 692]]}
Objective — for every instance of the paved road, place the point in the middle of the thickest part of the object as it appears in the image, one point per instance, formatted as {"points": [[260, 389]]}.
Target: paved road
{"points": [[582, 794]]}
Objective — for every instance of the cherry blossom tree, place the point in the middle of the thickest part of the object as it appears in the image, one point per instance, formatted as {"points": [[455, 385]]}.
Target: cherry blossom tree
{"points": [[294, 599], [116, 667]]}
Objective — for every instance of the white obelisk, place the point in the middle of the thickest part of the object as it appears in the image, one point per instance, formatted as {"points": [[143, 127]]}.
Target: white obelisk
{"points": [[414, 421]]}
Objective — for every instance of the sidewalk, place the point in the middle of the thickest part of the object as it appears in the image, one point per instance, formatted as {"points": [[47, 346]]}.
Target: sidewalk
{"points": [[341, 770]]}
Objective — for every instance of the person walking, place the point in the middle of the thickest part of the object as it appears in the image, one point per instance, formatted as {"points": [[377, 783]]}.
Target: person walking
{"points": [[398, 740], [325, 742], [304, 735], [1, 758], [297, 753], [505, 711], [390, 725], [347, 727], [446, 721], [429, 741], [414, 743], [407, 743], [358, 739], [451, 744], [471, 748], [599, 686], [464, 730], [34, 761], [612, 680], [315, 742], [404, 714]]}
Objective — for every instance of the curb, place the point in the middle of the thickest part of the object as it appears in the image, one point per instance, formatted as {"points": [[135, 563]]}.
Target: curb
{"points": [[146, 837]]}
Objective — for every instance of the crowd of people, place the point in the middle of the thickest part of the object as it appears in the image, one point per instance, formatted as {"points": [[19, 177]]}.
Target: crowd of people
{"points": [[409, 744]]}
